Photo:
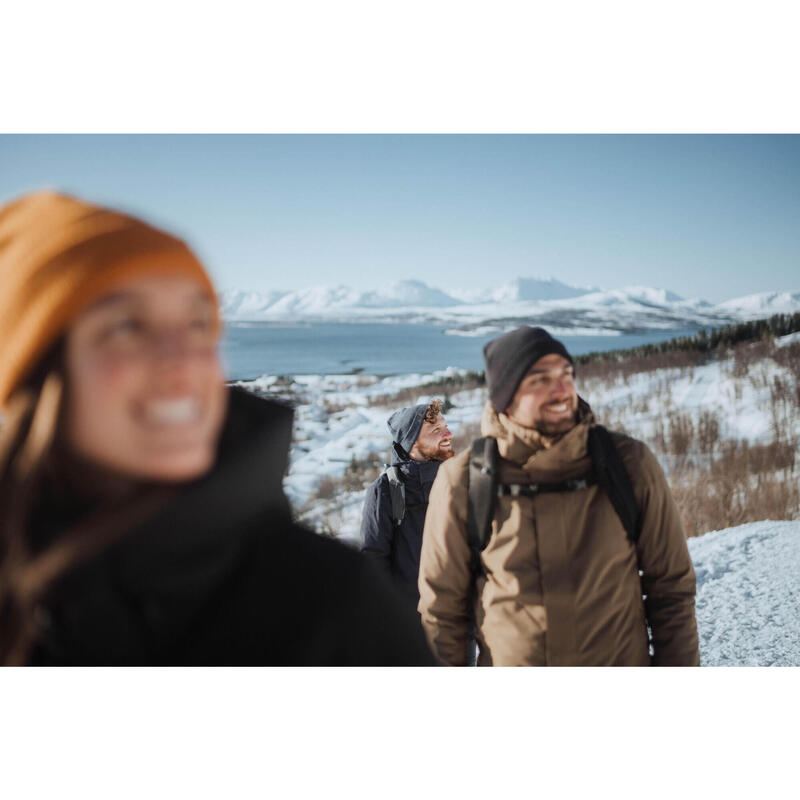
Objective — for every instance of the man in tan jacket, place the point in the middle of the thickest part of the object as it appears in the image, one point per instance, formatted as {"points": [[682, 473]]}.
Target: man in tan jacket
{"points": [[558, 580]]}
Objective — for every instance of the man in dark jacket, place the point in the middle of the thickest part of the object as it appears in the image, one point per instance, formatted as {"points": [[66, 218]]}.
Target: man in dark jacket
{"points": [[392, 536]]}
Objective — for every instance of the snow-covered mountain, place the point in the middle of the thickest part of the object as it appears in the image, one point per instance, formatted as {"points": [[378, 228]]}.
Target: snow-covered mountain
{"points": [[238, 303], [522, 290], [312, 302], [321, 301], [763, 304], [520, 301], [408, 293]]}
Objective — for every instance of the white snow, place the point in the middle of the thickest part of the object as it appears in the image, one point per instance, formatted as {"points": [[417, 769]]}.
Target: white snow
{"points": [[748, 595], [785, 341]]}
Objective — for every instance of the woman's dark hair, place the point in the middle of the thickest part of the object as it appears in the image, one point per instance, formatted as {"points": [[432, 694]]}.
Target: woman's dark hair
{"points": [[26, 438], [32, 450]]}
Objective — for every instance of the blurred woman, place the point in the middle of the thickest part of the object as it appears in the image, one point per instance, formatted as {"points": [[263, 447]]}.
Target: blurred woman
{"points": [[142, 518]]}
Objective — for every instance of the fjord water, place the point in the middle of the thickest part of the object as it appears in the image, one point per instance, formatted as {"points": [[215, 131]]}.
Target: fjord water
{"points": [[377, 349]]}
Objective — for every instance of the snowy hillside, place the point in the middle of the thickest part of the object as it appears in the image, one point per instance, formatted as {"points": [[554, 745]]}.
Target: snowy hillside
{"points": [[339, 418], [523, 300]]}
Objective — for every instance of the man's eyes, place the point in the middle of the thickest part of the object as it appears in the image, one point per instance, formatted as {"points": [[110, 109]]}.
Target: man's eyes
{"points": [[544, 380]]}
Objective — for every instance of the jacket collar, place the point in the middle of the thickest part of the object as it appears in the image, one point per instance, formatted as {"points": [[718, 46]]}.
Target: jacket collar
{"points": [[424, 471], [532, 450], [201, 527]]}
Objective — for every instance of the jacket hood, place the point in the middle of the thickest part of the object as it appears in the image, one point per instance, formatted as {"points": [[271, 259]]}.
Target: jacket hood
{"points": [[405, 425]]}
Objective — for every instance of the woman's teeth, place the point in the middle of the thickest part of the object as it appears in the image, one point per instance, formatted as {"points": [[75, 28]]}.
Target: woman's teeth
{"points": [[172, 412]]}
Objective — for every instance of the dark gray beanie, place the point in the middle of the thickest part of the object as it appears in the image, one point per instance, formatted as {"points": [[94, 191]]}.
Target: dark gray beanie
{"points": [[511, 355], [405, 425]]}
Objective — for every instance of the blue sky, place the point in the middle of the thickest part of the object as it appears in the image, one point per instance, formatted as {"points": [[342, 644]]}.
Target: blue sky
{"points": [[709, 216]]}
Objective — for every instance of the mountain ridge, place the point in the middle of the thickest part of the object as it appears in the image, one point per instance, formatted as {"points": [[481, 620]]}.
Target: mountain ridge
{"points": [[519, 301]]}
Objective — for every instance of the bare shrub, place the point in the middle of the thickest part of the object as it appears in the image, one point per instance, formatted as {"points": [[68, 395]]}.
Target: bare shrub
{"points": [[609, 370], [726, 499], [333, 408], [789, 358], [708, 427], [783, 407], [326, 489], [659, 441], [681, 433], [750, 355], [360, 473], [745, 483]]}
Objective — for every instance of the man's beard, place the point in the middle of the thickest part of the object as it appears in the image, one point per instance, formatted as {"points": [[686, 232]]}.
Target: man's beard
{"points": [[437, 453], [557, 428]]}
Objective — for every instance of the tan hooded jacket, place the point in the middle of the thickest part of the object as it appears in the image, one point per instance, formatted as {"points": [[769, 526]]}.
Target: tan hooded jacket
{"points": [[560, 583]]}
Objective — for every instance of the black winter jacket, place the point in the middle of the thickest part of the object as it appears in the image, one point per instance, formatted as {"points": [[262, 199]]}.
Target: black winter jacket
{"points": [[222, 576], [397, 551]]}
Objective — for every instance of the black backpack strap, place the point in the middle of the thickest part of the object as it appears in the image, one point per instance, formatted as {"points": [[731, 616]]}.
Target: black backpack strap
{"points": [[397, 493], [611, 474], [534, 489], [482, 490]]}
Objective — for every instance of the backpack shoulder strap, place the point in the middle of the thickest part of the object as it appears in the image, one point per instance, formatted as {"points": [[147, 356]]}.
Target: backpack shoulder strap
{"points": [[397, 493], [482, 490], [612, 475]]}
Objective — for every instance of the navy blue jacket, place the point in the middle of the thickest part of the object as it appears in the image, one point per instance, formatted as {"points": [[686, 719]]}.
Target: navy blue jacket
{"points": [[397, 551]]}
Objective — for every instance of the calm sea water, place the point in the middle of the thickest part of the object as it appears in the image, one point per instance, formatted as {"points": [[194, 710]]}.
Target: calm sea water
{"points": [[378, 349]]}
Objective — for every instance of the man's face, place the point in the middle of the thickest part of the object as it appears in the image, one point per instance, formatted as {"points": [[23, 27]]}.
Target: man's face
{"points": [[546, 398], [434, 443]]}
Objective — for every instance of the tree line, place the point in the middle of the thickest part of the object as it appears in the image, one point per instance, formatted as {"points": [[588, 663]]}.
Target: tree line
{"points": [[705, 341]]}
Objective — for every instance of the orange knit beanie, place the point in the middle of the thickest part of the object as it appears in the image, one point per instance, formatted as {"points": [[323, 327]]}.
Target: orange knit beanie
{"points": [[57, 255]]}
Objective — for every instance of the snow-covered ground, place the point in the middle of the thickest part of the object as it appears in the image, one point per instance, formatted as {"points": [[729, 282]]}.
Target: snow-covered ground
{"points": [[743, 403], [748, 595]]}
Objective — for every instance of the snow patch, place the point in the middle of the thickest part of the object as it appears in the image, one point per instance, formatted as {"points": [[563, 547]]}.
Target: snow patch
{"points": [[748, 595]]}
